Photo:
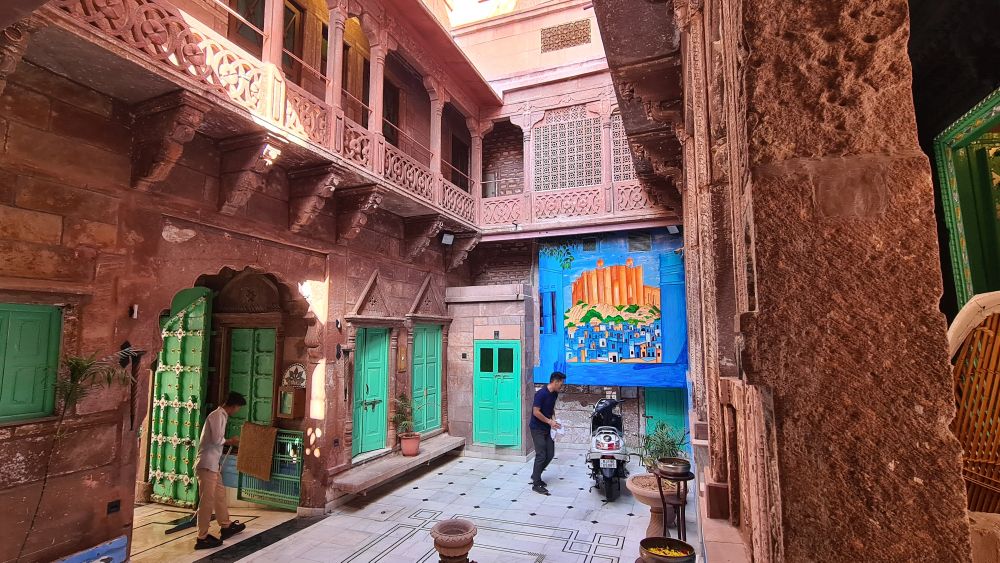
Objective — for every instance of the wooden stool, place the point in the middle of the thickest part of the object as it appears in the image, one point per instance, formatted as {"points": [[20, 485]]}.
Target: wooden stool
{"points": [[678, 501]]}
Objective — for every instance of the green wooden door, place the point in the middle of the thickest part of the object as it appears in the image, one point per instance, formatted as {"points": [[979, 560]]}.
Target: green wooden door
{"points": [[666, 405], [29, 359], [496, 393], [178, 398], [371, 384], [251, 373], [426, 378]]}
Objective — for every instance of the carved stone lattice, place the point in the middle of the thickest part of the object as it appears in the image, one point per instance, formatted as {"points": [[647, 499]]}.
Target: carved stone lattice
{"points": [[632, 197], [420, 234], [412, 176], [459, 202], [13, 43], [162, 127], [357, 144], [565, 35], [371, 302], [309, 191], [428, 301], [306, 114], [356, 210], [569, 203], [460, 250], [246, 162], [567, 150], [503, 210], [621, 155]]}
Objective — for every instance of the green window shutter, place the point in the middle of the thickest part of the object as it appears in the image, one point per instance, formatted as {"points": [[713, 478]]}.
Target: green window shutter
{"points": [[29, 360]]}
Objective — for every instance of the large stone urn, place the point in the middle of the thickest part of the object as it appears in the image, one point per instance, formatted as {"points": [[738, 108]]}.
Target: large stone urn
{"points": [[453, 540], [644, 489]]}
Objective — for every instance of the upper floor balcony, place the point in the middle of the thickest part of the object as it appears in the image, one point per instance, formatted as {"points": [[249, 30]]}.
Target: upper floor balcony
{"points": [[349, 97]]}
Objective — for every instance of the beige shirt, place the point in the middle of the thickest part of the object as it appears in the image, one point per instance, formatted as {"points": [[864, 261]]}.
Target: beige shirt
{"points": [[213, 435]]}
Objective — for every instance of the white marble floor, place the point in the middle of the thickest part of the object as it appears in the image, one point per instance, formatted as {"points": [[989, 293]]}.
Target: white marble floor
{"points": [[392, 524]]}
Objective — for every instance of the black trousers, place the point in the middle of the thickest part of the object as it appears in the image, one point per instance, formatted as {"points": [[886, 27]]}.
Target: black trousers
{"points": [[545, 450]]}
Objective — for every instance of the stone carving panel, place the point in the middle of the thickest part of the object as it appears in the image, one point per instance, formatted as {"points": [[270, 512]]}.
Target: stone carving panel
{"points": [[503, 210], [632, 197], [357, 144], [458, 202], [408, 173], [307, 115], [569, 203]]}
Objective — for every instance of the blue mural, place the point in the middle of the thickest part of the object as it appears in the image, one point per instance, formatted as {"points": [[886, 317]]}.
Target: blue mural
{"points": [[612, 310]]}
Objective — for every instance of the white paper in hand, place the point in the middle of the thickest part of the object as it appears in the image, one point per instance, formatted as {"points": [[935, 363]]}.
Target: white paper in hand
{"points": [[559, 432]]}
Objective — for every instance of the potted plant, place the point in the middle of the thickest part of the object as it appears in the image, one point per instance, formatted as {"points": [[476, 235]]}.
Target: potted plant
{"points": [[663, 442], [409, 441]]}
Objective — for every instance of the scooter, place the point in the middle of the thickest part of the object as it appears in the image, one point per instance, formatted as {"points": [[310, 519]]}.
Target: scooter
{"points": [[608, 454]]}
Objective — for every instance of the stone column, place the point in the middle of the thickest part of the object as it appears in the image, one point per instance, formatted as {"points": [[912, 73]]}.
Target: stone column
{"points": [[607, 161], [847, 342], [438, 98], [377, 54], [274, 31], [475, 158], [335, 59]]}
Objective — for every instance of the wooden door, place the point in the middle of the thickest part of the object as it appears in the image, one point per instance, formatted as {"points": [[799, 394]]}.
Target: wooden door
{"points": [[251, 373], [371, 385], [666, 405], [496, 416], [426, 378]]}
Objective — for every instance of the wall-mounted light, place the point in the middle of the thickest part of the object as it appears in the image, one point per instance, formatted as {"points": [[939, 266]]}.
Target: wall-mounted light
{"points": [[447, 239], [336, 323], [133, 311], [672, 229]]}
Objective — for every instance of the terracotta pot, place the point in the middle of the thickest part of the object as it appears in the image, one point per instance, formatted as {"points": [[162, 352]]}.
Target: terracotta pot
{"points": [[409, 443], [453, 539], [650, 496]]}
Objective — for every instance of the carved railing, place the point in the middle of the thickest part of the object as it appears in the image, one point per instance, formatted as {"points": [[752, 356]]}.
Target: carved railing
{"points": [[306, 114], [456, 200], [357, 145], [409, 174], [632, 197], [573, 202], [505, 210]]}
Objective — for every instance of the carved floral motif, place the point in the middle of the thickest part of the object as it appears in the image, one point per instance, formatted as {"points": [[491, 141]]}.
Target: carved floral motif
{"points": [[569, 203], [357, 144], [503, 210], [408, 173], [306, 114], [459, 202], [632, 197]]}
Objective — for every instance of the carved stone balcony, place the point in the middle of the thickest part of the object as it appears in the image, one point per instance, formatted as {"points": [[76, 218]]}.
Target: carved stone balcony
{"points": [[157, 48]]}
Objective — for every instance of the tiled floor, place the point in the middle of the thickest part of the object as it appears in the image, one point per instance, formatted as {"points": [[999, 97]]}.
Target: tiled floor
{"points": [[150, 543], [392, 525]]}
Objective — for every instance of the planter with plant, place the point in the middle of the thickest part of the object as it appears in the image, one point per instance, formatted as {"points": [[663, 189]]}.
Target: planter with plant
{"points": [[409, 441], [662, 443]]}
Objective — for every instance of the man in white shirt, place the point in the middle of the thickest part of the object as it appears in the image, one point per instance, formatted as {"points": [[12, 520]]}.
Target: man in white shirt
{"points": [[208, 465]]}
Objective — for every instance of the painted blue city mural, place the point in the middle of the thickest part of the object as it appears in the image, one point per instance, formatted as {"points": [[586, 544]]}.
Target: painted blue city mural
{"points": [[612, 310]]}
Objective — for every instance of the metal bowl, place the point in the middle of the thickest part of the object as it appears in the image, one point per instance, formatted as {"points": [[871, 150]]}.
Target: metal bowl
{"points": [[651, 542], [674, 466]]}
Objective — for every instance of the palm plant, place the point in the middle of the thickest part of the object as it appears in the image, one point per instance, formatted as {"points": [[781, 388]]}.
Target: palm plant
{"points": [[403, 417], [78, 377], [663, 441]]}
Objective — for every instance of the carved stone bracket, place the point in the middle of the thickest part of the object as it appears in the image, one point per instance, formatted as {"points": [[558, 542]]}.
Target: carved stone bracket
{"points": [[460, 250], [309, 191], [419, 234], [13, 43], [162, 127], [246, 163], [356, 209]]}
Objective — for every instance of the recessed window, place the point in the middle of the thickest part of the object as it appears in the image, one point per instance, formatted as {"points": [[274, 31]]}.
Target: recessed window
{"points": [[640, 242], [29, 360]]}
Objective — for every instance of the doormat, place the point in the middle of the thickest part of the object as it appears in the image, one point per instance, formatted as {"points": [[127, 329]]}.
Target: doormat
{"points": [[256, 450]]}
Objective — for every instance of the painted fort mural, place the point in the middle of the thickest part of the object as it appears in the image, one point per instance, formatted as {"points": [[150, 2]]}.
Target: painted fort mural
{"points": [[612, 310]]}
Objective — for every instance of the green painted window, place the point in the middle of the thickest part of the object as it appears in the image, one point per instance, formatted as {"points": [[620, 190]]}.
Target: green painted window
{"points": [[668, 406], [496, 393], [29, 360]]}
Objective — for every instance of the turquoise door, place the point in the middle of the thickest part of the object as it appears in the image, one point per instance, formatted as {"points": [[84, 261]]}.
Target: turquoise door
{"points": [[251, 373], [668, 406], [496, 393], [371, 384], [426, 378]]}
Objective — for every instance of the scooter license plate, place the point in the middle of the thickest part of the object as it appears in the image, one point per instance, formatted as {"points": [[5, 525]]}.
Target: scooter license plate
{"points": [[609, 463]]}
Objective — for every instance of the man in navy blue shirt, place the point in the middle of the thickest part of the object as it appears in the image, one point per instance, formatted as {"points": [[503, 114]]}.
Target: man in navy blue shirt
{"points": [[542, 423]]}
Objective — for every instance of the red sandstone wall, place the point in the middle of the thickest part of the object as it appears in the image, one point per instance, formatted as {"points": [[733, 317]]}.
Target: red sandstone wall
{"points": [[503, 154], [72, 232]]}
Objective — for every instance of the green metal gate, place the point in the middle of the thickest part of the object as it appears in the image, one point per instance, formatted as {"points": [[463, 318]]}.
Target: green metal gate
{"points": [[284, 488], [178, 398]]}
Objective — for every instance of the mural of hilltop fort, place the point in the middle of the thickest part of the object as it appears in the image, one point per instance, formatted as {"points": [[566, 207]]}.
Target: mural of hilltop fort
{"points": [[614, 317]]}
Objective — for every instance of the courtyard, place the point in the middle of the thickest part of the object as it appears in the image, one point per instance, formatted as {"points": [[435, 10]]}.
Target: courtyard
{"points": [[392, 524]]}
